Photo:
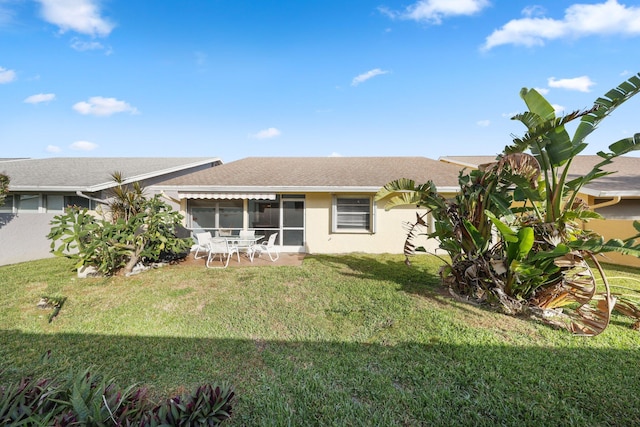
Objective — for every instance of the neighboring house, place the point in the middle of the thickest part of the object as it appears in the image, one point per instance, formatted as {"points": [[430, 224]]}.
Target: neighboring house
{"points": [[39, 189], [616, 197], [315, 204]]}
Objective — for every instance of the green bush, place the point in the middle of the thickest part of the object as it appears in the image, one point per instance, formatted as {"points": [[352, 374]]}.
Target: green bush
{"points": [[147, 236]]}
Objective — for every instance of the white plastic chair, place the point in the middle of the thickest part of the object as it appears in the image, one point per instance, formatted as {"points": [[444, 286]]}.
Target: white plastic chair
{"points": [[269, 247], [202, 240], [221, 247]]}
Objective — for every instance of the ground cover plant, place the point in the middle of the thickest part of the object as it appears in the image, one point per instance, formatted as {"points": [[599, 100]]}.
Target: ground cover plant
{"points": [[341, 340]]}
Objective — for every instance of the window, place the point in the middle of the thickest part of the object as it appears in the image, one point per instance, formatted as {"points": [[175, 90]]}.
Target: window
{"points": [[352, 213], [7, 207], [54, 203], [28, 203], [212, 215], [81, 202]]}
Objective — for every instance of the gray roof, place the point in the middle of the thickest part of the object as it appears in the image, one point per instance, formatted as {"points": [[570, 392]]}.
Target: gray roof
{"points": [[90, 173], [624, 182], [316, 174]]}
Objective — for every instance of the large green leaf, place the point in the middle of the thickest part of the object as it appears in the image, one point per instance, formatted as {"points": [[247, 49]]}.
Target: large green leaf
{"points": [[538, 104], [605, 105]]}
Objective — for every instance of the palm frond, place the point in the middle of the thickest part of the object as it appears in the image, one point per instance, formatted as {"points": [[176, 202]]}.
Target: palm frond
{"points": [[413, 231], [606, 105]]}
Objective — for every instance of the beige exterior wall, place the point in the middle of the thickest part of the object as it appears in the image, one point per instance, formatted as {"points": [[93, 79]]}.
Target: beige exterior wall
{"points": [[389, 235], [615, 229]]}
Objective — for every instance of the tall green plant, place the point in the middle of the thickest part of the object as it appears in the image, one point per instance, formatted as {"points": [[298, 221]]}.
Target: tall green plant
{"points": [[4, 187], [538, 255]]}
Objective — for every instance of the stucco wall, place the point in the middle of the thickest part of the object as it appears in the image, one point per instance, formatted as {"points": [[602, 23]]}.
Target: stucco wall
{"points": [[615, 229], [389, 235], [23, 237]]}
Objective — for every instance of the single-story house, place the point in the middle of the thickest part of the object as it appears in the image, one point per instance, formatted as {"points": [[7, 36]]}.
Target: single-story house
{"points": [[315, 204], [616, 197], [39, 189]]}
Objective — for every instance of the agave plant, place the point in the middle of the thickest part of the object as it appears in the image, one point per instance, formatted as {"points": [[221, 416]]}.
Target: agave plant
{"points": [[513, 232]]}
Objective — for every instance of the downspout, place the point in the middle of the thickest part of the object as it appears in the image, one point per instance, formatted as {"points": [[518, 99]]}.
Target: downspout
{"points": [[81, 194], [166, 196], [611, 202], [614, 201]]}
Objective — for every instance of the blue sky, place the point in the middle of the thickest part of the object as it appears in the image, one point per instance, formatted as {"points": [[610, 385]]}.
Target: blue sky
{"points": [[238, 78]]}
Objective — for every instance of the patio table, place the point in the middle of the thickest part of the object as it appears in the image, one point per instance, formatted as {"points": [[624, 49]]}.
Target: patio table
{"points": [[243, 243]]}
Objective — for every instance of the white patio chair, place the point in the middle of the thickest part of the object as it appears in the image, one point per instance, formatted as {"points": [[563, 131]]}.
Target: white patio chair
{"points": [[269, 247], [221, 247], [202, 240]]}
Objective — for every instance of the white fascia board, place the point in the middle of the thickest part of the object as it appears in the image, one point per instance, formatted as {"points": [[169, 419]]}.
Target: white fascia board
{"points": [[281, 189], [605, 193], [458, 162], [46, 189], [153, 174]]}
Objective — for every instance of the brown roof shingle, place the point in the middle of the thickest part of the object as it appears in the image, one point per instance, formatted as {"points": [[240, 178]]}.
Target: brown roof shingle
{"points": [[305, 173]]}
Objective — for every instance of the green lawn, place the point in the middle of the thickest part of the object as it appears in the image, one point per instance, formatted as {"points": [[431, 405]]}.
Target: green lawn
{"points": [[342, 340]]}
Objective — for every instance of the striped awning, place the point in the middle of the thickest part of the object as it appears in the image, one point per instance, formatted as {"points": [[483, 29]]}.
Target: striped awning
{"points": [[249, 196]]}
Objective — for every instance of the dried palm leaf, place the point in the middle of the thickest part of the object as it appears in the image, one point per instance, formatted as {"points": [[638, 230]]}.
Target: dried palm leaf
{"points": [[578, 285], [413, 231]]}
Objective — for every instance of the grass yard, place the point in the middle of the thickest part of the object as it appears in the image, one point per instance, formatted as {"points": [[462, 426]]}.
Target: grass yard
{"points": [[349, 340]]}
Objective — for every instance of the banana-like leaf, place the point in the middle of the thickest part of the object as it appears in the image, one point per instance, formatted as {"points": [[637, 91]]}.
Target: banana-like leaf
{"points": [[592, 320], [629, 308], [578, 284], [538, 104], [413, 231], [598, 245], [605, 106], [478, 240], [508, 234]]}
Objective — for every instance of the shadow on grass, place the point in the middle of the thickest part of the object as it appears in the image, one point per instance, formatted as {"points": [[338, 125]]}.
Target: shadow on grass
{"points": [[338, 383], [419, 278]]}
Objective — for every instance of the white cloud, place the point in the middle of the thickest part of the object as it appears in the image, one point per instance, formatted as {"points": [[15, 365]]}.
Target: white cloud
{"points": [[581, 84], [53, 149], [542, 90], [366, 76], [334, 154], [82, 16], [41, 97], [83, 146], [266, 134], [99, 106], [433, 11], [81, 45], [580, 20], [483, 123], [7, 76], [559, 109]]}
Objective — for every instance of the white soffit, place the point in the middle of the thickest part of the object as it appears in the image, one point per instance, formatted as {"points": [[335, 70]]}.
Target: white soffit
{"points": [[249, 196]]}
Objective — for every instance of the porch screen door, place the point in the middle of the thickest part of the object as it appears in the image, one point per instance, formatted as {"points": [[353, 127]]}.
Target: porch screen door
{"points": [[293, 222]]}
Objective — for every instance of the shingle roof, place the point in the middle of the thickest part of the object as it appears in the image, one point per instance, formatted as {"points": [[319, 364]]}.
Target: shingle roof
{"points": [[317, 174], [624, 182], [89, 173]]}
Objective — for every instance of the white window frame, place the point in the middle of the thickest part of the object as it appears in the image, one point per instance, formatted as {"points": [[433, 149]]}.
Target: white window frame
{"points": [[334, 214]]}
